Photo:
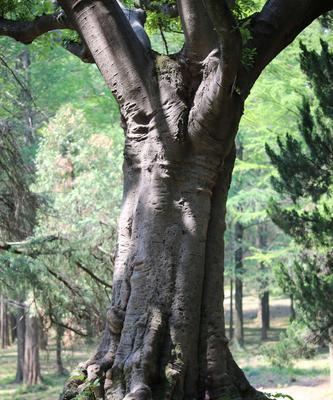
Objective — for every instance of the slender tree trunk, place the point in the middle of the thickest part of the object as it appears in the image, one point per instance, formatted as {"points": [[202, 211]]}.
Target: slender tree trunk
{"points": [[60, 367], [43, 336], [264, 314], [4, 323], [231, 316], [20, 330], [239, 323], [13, 327], [330, 345], [31, 371]]}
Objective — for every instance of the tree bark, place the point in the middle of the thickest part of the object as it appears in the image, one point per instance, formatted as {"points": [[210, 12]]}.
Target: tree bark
{"points": [[20, 329], [239, 323], [31, 370]]}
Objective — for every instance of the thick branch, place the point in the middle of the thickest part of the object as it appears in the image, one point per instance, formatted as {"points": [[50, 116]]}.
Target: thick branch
{"points": [[228, 36], [113, 44], [276, 26], [27, 31], [200, 37]]}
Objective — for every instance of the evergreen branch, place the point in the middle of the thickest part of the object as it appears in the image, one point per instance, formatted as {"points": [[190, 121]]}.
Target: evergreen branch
{"points": [[90, 273]]}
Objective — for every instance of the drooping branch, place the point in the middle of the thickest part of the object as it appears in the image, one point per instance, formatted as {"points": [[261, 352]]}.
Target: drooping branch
{"points": [[27, 31], [274, 28], [200, 37]]}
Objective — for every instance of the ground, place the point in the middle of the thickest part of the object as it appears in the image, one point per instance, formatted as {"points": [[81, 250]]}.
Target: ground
{"points": [[307, 380]]}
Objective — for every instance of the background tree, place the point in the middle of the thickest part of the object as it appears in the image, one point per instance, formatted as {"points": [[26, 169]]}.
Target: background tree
{"points": [[304, 210]]}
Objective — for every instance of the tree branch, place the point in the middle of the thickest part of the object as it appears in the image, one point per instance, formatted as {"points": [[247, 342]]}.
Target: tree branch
{"points": [[27, 31], [79, 50], [228, 36], [200, 38], [92, 275], [276, 26], [115, 47]]}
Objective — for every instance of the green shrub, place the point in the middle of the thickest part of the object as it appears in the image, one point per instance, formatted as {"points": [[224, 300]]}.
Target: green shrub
{"points": [[293, 344]]}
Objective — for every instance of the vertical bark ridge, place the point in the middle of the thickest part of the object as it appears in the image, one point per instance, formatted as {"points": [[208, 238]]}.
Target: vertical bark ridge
{"points": [[214, 379]]}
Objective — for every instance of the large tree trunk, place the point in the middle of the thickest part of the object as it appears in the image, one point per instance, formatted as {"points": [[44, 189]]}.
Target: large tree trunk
{"points": [[31, 370], [165, 336], [239, 323], [20, 336]]}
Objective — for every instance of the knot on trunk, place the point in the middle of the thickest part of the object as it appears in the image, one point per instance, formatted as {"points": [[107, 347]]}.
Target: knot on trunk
{"points": [[115, 317]]}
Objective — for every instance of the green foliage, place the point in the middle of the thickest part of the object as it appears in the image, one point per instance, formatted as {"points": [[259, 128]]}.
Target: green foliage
{"points": [[304, 208], [293, 344]]}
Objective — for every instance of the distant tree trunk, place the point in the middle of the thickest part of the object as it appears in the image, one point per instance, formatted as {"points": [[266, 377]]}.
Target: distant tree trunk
{"points": [[239, 325], [264, 315], [20, 331], [61, 371], [292, 309], [13, 326], [4, 323], [43, 334], [31, 371], [330, 333], [231, 316], [263, 312]]}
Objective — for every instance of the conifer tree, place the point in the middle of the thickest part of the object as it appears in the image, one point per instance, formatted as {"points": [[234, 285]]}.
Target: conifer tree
{"points": [[304, 210]]}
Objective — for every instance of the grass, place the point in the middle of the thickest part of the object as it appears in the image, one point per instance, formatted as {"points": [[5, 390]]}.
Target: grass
{"points": [[308, 379], [51, 385]]}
